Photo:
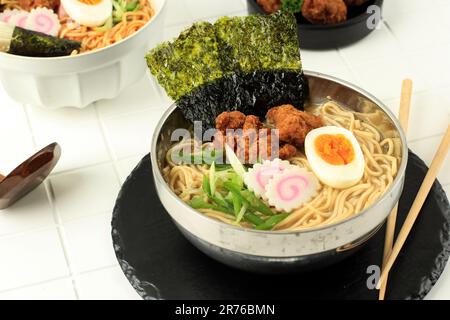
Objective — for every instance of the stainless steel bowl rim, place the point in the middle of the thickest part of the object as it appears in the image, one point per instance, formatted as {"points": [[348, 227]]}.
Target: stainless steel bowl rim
{"points": [[81, 56], [398, 179]]}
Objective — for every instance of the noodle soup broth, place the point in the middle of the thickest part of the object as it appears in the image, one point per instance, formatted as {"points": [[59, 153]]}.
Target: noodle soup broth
{"points": [[381, 148]]}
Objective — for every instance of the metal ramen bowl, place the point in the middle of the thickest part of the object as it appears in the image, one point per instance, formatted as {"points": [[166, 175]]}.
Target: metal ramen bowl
{"points": [[274, 251]]}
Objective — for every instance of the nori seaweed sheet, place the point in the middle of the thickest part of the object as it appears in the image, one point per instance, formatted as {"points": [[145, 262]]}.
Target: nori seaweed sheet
{"points": [[250, 43], [36, 44], [248, 64], [190, 61], [248, 93]]}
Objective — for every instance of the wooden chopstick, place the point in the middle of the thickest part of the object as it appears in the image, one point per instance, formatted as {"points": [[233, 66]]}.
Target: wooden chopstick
{"points": [[417, 204], [405, 104]]}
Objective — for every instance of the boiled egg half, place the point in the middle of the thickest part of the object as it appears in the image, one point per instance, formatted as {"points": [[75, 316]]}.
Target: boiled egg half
{"points": [[335, 156], [91, 13]]}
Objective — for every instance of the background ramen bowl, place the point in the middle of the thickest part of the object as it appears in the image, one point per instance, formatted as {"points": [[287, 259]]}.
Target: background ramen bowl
{"points": [[276, 252], [77, 81], [321, 37]]}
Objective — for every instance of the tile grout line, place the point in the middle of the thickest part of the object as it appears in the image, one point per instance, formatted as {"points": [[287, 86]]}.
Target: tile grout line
{"points": [[189, 22], [215, 16], [109, 149], [55, 224], [361, 83], [389, 29], [59, 223], [71, 277], [56, 218], [29, 285], [90, 166], [437, 135], [107, 267], [27, 232], [72, 170], [30, 126], [127, 113], [406, 54], [349, 67], [111, 154]]}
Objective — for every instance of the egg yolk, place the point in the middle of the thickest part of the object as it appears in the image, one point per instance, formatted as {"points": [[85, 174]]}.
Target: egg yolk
{"points": [[335, 149], [90, 2]]}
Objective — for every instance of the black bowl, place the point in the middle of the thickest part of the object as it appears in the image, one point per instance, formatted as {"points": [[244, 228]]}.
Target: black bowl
{"points": [[315, 36]]}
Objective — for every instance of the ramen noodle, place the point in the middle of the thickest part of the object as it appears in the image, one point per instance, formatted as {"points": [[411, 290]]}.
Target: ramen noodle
{"points": [[126, 18], [329, 205]]}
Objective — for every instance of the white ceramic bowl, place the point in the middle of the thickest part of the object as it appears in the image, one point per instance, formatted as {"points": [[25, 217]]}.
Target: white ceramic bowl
{"points": [[77, 81]]}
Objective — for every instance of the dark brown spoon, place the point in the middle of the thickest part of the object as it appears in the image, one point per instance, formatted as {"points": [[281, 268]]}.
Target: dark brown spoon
{"points": [[28, 175]]}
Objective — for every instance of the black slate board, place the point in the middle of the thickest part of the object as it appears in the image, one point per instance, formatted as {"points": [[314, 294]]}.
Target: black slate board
{"points": [[161, 264]]}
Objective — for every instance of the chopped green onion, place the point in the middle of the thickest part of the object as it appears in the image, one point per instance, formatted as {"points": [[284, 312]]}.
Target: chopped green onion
{"points": [[108, 25], [122, 6], [237, 180], [234, 161], [252, 201], [236, 190], [199, 203], [241, 213], [257, 203], [252, 218], [131, 6], [272, 222], [200, 158], [206, 186], [217, 198], [212, 178], [118, 11], [237, 204]]}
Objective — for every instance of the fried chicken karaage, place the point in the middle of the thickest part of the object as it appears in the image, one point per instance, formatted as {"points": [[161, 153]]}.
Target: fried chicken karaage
{"points": [[324, 11], [293, 124], [270, 6], [253, 141]]}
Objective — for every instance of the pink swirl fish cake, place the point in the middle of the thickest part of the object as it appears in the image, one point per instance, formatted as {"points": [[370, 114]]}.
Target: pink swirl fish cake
{"points": [[43, 20], [292, 188], [259, 176]]}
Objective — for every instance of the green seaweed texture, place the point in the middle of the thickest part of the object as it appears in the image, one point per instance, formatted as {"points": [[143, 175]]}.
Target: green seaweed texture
{"points": [[257, 43], [36, 44], [188, 62], [238, 63]]}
